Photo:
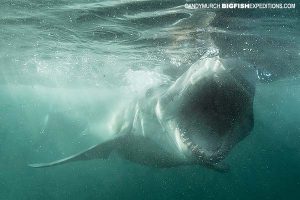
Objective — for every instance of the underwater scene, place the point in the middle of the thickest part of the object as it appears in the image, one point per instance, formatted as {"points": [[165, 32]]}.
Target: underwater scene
{"points": [[149, 99]]}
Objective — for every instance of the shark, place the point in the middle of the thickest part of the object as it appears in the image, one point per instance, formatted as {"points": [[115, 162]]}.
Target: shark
{"points": [[196, 119]]}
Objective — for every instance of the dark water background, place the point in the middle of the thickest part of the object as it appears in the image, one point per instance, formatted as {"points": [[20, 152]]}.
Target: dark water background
{"points": [[66, 65]]}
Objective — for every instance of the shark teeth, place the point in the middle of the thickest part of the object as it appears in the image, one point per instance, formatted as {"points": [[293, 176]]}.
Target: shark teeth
{"points": [[196, 150], [183, 136], [199, 153], [187, 141], [189, 144], [194, 147]]}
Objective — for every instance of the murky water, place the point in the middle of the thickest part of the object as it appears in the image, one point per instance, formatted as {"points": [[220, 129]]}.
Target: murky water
{"points": [[65, 67]]}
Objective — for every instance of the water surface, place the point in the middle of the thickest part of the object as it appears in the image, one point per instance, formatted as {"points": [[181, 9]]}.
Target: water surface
{"points": [[65, 66]]}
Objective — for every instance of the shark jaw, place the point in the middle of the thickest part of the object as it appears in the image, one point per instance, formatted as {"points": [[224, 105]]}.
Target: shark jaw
{"points": [[208, 110]]}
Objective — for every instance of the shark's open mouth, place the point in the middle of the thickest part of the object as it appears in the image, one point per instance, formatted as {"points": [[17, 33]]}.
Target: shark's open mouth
{"points": [[213, 117], [209, 110]]}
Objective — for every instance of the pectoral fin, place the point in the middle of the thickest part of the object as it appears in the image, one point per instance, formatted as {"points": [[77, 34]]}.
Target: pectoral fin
{"points": [[100, 151]]}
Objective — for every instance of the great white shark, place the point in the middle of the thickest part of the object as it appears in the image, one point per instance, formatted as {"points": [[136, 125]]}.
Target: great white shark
{"points": [[195, 120]]}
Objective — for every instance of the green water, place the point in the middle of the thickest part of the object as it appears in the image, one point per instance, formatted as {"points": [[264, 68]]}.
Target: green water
{"points": [[65, 66]]}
